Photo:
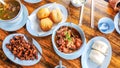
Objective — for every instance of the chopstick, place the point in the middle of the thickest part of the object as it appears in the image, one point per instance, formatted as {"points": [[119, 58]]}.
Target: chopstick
{"points": [[92, 14], [81, 15]]}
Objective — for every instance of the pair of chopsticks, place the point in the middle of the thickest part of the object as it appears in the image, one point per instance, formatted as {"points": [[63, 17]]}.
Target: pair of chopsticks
{"points": [[92, 14]]}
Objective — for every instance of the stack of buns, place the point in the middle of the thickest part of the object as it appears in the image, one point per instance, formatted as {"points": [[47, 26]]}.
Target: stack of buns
{"points": [[98, 52], [47, 18]]}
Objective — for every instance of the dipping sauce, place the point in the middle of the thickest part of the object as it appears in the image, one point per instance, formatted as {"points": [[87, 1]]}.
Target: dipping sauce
{"points": [[104, 27], [10, 10], [68, 39]]}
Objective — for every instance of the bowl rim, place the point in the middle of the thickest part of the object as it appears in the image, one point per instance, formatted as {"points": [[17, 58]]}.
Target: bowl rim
{"points": [[116, 23], [111, 22], [75, 27], [16, 15]]}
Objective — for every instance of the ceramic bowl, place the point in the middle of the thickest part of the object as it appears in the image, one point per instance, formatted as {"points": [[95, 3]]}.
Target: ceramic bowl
{"points": [[106, 25], [78, 52], [116, 22], [15, 19], [77, 4]]}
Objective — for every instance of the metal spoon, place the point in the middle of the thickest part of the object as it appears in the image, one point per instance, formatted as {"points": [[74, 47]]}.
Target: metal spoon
{"points": [[29, 39], [81, 15], [60, 64]]}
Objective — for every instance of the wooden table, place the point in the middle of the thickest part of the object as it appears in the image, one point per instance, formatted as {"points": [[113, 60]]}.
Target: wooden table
{"points": [[102, 9]]}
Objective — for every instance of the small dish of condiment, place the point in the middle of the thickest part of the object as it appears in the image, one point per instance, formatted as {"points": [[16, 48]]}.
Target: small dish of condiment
{"points": [[78, 3], [106, 25]]}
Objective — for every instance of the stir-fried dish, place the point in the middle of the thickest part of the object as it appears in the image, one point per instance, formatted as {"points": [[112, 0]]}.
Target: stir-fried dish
{"points": [[68, 39], [22, 49], [10, 10]]}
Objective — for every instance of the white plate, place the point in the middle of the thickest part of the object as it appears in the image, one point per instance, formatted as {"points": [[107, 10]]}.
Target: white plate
{"points": [[18, 61], [116, 23], [33, 24], [17, 25], [87, 63], [32, 1]]}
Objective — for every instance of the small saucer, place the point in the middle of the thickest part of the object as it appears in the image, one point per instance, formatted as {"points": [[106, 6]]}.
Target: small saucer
{"points": [[106, 25], [17, 25], [32, 1]]}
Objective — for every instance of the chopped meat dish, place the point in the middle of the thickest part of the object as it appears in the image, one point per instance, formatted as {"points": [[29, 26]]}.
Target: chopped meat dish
{"points": [[68, 39], [22, 49]]}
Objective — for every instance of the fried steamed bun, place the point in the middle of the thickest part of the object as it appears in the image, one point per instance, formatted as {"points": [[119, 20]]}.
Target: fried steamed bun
{"points": [[56, 15], [46, 24], [43, 13]]}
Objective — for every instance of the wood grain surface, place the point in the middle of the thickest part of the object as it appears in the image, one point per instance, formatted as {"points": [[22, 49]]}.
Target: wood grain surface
{"points": [[102, 9]]}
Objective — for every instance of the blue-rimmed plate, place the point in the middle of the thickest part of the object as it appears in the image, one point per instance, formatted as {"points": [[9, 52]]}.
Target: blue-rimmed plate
{"points": [[17, 25], [87, 63], [116, 23], [32, 1], [33, 23], [17, 60]]}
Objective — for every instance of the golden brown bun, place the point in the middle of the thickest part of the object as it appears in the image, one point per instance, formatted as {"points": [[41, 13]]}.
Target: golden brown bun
{"points": [[56, 15], [43, 13], [46, 24]]}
